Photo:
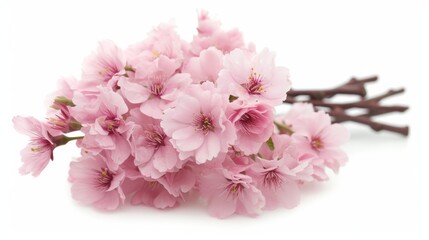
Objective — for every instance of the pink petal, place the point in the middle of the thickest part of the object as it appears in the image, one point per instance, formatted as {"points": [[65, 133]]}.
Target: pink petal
{"points": [[335, 135], [134, 92], [191, 143], [164, 200], [252, 201], [34, 162], [122, 150], [85, 192], [27, 125], [213, 145], [110, 201], [143, 155], [165, 158], [153, 107], [211, 62], [222, 205]]}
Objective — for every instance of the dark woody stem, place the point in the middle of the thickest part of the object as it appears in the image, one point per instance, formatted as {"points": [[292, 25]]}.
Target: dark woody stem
{"points": [[338, 111]]}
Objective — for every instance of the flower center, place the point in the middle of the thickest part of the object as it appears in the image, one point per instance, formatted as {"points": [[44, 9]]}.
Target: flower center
{"points": [[110, 124], [204, 123], [154, 138], [105, 177], [41, 145], [245, 117], [109, 71], [255, 85], [246, 122], [272, 179], [316, 143], [234, 189], [157, 89]]}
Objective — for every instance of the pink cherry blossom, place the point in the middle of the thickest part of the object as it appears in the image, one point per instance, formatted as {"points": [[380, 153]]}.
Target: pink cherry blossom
{"points": [[102, 66], [39, 151], [228, 193], [93, 182], [210, 34], [284, 148], [198, 126], [315, 134], [164, 192], [277, 173], [153, 193], [62, 120], [154, 154], [276, 183], [162, 41], [254, 125], [108, 131], [292, 117], [155, 86], [254, 78], [205, 67], [180, 182], [66, 87]]}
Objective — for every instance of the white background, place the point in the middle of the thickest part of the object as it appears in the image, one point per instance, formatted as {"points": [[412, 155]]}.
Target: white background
{"points": [[382, 191]]}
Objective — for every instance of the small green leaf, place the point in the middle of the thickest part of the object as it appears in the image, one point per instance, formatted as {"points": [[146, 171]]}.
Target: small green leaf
{"points": [[232, 98], [270, 144], [62, 100], [129, 68]]}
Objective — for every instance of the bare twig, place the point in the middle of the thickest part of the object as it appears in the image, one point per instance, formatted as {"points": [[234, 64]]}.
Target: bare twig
{"points": [[338, 111]]}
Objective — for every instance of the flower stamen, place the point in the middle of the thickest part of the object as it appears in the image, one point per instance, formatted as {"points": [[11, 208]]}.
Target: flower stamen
{"points": [[204, 123], [316, 143], [105, 178], [255, 84]]}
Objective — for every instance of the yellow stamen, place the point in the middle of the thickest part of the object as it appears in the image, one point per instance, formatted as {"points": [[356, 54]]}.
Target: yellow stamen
{"points": [[155, 53], [233, 189]]}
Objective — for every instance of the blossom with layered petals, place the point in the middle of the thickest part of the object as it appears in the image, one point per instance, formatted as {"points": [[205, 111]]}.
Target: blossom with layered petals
{"points": [[197, 125], [93, 182], [102, 66], [108, 130], [153, 152], [206, 66], [278, 172], [210, 34], [165, 192], [155, 86], [162, 41], [228, 193], [254, 125], [254, 78], [39, 151], [316, 135]]}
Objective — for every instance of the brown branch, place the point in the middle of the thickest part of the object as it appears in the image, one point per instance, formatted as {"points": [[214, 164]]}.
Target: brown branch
{"points": [[339, 110], [342, 117], [370, 113], [352, 87], [359, 104]]}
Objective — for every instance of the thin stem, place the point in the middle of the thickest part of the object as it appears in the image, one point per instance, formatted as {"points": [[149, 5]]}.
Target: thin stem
{"points": [[74, 138], [339, 110], [283, 128], [63, 140]]}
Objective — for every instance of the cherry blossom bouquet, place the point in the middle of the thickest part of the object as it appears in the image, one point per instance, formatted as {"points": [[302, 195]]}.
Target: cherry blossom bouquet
{"points": [[167, 120]]}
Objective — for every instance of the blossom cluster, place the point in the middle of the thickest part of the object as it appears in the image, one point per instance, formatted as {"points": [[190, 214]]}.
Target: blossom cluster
{"points": [[165, 119]]}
